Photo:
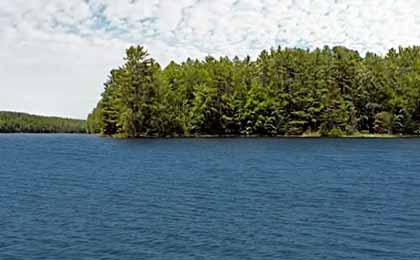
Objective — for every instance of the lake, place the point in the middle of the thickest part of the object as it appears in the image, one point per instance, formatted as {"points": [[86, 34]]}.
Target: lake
{"points": [[86, 197]]}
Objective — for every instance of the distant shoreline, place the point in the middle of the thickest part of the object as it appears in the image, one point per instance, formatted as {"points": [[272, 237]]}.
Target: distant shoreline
{"points": [[18, 122]]}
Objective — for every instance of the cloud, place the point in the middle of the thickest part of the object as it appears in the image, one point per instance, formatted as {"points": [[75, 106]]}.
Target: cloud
{"points": [[55, 55]]}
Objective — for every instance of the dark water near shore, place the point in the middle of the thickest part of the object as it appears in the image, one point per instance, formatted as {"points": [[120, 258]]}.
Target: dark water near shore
{"points": [[84, 197]]}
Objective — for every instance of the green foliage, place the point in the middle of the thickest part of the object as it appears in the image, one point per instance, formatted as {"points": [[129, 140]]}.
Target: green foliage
{"points": [[335, 132], [330, 91], [11, 122], [383, 123]]}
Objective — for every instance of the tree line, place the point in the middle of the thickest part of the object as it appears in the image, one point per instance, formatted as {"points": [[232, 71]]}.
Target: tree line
{"points": [[285, 91], [12, 122]]}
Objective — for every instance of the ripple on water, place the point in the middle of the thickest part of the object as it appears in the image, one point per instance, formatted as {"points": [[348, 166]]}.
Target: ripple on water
{"points": [[85, 197]]}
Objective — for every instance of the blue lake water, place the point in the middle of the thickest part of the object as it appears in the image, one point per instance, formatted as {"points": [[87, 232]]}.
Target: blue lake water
{"points": [[85, 197]]}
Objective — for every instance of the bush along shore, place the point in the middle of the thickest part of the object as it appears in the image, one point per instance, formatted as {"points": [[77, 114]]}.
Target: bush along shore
{"points": [[284, 92]]}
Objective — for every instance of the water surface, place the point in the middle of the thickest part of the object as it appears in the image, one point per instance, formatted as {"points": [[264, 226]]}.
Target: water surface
{"points": [[86, 197]]}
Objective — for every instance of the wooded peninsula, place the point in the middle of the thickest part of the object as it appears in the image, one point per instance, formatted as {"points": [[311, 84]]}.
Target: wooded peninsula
{"points": [[284, 92]]}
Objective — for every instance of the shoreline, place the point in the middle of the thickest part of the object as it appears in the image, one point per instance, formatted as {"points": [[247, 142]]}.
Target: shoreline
{"points": [[304, 136]]}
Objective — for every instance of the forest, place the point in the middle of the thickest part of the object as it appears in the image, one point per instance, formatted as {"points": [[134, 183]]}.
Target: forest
{"points": [[12, 122], [283, 92]]}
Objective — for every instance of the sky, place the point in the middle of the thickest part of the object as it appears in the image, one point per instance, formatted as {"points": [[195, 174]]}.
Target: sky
{"points": [[55, 55]]}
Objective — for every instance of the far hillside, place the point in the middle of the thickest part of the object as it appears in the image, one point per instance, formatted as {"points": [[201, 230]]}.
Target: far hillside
{"points": [[12, 122]]}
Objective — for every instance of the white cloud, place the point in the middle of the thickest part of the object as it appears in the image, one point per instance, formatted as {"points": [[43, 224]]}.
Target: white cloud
{"points": [[55, 54]]}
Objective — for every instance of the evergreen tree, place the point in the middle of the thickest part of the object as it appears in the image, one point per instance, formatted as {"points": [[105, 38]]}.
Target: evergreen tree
{"points": [[329, 91]]}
